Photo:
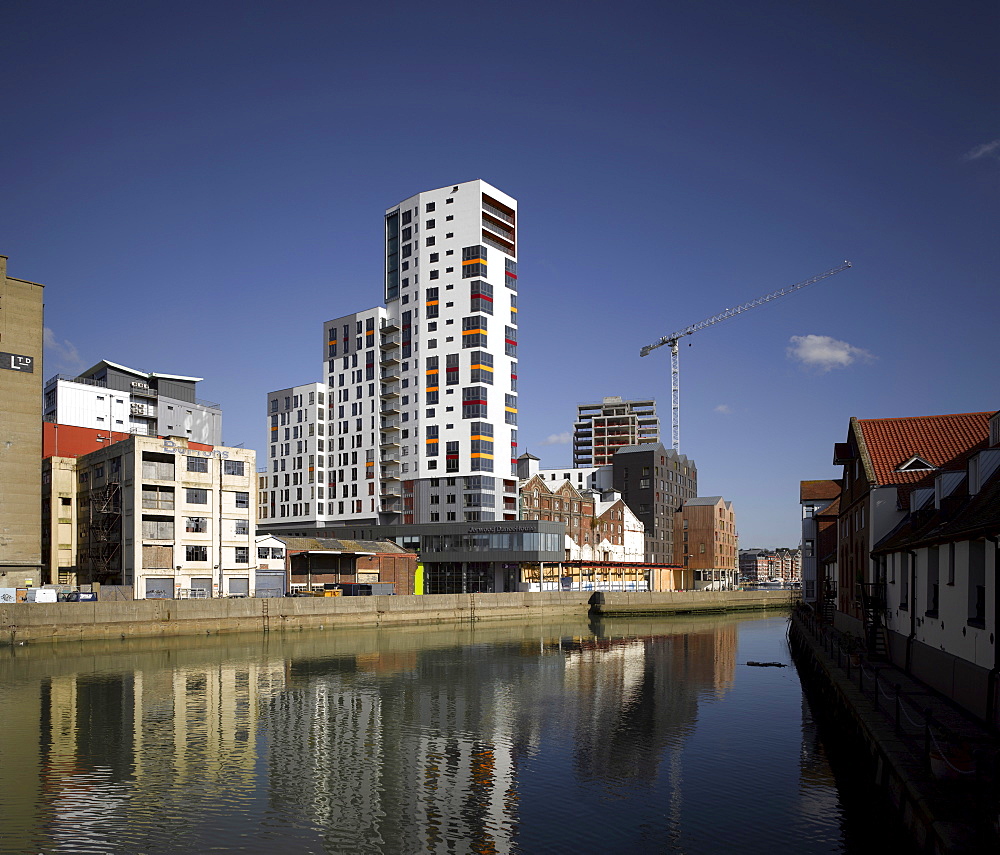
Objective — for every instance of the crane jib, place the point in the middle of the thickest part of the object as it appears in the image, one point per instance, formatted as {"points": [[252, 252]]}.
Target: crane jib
{"points": [[722, 316]]}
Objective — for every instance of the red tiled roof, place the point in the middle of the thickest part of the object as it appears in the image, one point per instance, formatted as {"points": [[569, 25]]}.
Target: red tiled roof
{"points": [[946, 442], [814, 490]]}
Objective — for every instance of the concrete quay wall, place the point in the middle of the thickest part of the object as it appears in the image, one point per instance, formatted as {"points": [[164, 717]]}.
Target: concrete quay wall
{"points": [[610, 603], [36, 622]]}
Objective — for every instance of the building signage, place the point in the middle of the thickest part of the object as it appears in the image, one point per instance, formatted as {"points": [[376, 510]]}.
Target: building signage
{"points": [[13, 362], [499, 529], [172, 447]]}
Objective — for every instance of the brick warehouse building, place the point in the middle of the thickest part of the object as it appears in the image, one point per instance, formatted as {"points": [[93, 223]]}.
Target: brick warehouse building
{"points": [[322, 561]]}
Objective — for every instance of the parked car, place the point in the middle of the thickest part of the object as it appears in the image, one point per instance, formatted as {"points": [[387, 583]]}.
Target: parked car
{"points": [[81, 597]]}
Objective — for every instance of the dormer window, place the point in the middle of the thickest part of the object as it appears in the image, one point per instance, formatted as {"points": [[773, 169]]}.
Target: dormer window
{"points": [[915, 464]]}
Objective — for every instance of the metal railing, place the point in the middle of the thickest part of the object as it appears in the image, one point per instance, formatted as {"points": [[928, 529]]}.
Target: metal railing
{"points": [[496, 212], [497, 245], [507, 234], [948, 755]]}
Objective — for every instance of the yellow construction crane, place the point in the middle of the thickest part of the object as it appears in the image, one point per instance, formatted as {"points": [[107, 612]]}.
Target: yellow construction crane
{"points": [[673, 338]]}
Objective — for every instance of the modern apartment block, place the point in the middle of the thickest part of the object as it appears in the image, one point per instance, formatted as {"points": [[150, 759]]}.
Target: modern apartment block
{"points": [[654, 482], [112, 397], [451, 280], [294, 488], [420, 424], [705, 534], [20, 430], [602, 429]]}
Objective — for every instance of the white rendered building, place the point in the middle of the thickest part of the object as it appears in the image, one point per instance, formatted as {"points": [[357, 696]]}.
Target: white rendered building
{"points": [[421, 394], [451, 279], [294, 487], [113, 397]]}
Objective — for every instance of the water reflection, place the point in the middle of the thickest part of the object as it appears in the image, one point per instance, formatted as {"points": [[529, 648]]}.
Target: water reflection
{"points": [[568, 737]]}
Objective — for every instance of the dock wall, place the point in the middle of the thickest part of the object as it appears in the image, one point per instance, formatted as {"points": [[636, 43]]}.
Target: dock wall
{"points": [[37, 622], [609, 603], [930, 796]]}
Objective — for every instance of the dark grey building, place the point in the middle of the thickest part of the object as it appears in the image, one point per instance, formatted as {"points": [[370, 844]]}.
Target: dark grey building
{"points": [[654, 482]]}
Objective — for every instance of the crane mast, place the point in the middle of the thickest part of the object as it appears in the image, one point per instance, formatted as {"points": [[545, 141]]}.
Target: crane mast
{"points": [[673, 338]]}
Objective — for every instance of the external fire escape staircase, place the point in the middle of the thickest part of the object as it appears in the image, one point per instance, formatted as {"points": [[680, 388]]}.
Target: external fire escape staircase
{"points": [[105, 531]]}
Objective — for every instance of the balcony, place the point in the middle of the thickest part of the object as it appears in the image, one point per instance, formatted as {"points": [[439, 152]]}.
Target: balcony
{"points": [[391, 341], [389, 457], [388, 440], [501, 231], [389, 324], [390, 424], [496, 212], [390, 406], [389, 390], [142, 390], [395, 490], [389, 357], [506, 248]]}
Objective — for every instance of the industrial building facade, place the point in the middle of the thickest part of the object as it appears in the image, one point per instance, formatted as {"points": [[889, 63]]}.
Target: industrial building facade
{"points": [[164, 517], [21, 339]]}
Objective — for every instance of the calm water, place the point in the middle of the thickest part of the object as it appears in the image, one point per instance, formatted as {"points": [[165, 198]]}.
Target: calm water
{"points": [[620, 736]]}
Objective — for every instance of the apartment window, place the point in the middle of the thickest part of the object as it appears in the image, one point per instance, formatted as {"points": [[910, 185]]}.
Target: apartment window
{"points": [[232, 467], [196, 553], [196, 496], [510, 274], [481, 367], [242, 500], [197, 464], [242, 555], [510, 342], [481, 297], [510, 409], [196, 525], [430, 207], [474, 402], [242, 527], [474, 331]]}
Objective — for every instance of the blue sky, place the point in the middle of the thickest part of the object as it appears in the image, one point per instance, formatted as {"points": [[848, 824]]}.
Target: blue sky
{"points": [[201, 185]]}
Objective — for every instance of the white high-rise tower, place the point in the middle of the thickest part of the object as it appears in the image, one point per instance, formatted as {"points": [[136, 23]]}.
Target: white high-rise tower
{"points": [[420, 422], [451, 280]]}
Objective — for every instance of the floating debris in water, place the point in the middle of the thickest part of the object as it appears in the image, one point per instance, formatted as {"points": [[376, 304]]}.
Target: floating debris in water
{"points": [[768, 664]]}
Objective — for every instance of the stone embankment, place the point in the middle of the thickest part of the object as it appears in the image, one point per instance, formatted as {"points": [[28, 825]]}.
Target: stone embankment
{"points": [[46, 622]]}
